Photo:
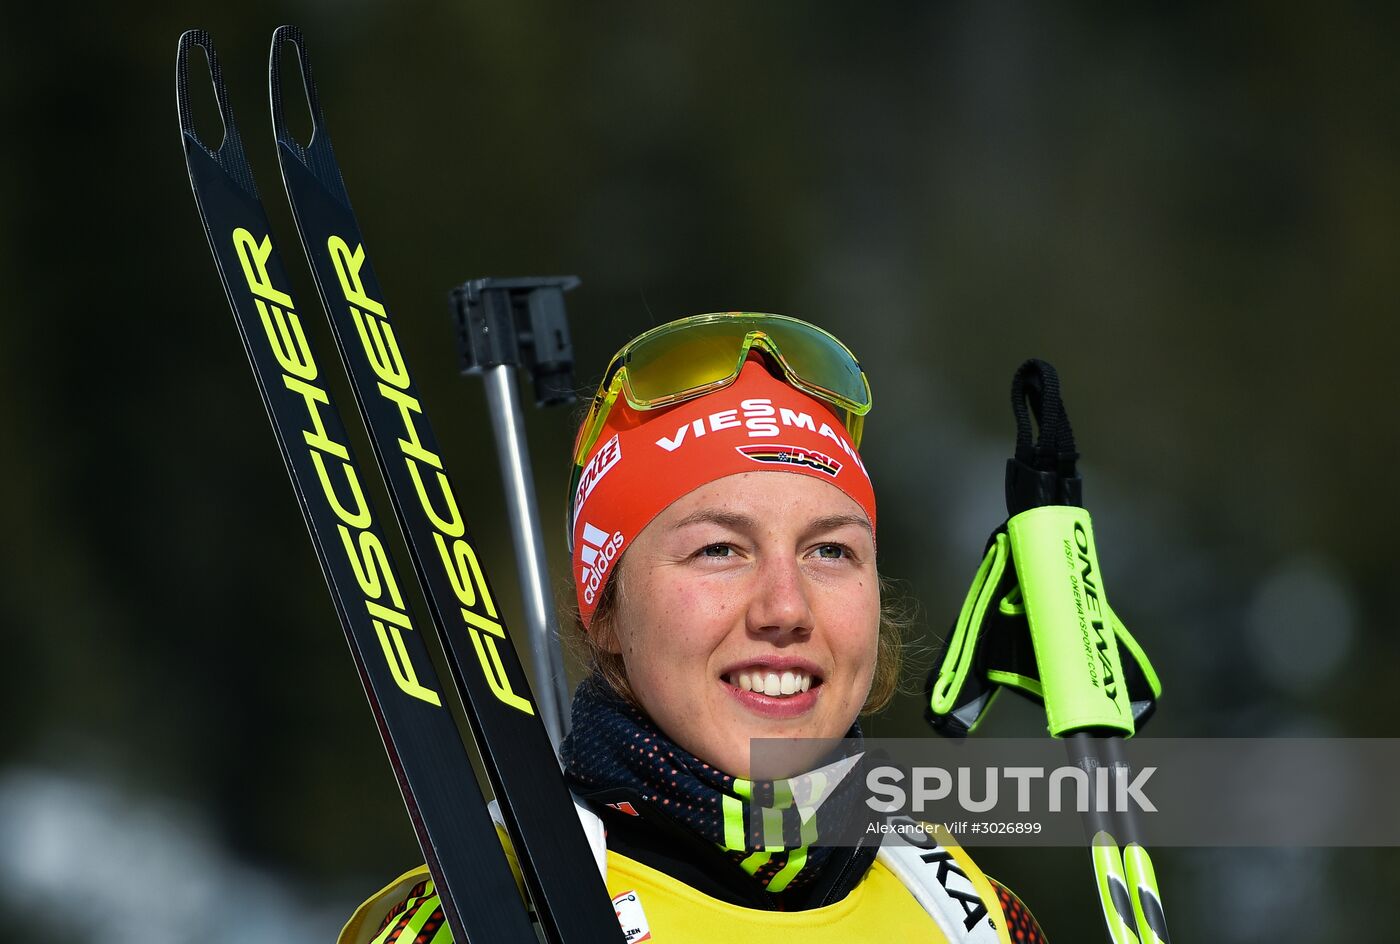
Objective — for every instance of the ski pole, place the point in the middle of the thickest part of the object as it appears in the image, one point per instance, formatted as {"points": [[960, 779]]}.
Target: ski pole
{"points": [[503, 324], [1089, 705], [1036, 619]]}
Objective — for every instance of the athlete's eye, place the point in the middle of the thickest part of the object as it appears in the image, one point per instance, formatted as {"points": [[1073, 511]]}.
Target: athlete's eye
{"points": [[716, 550], [832, 551]]}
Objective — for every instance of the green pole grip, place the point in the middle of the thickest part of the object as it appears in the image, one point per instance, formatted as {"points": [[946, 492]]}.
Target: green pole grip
{"points": [[1071, 625]]}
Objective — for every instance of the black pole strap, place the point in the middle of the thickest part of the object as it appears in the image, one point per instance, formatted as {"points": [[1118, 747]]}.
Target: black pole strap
{"points": [[1043, 470]]}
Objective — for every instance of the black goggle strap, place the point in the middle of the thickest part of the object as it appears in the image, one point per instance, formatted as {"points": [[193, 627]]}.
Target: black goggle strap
{"points": [[989, 648]]}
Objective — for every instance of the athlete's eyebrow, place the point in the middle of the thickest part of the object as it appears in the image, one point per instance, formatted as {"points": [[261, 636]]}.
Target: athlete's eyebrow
{"points": [[725, 519], [832, 522], [742, 522]]}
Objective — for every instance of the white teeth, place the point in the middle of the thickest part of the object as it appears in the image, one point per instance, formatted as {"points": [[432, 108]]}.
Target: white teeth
{"points": [[773, 684]]}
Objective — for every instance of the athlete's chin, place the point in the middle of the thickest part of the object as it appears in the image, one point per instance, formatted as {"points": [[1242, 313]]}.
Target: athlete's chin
{"points": [[768, 752], [760, 746]]}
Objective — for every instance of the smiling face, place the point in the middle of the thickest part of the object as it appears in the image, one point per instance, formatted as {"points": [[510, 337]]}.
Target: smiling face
{"points": [[750, 607]]}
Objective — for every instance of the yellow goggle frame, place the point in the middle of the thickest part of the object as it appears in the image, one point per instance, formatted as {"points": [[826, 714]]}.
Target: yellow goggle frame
{"points": [[694, 356]]}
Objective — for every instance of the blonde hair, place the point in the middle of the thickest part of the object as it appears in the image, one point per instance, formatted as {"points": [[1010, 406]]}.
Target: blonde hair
{"points": [[896, 617]]}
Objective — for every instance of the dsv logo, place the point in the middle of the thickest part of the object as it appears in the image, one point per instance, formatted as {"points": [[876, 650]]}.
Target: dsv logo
{"points": [[598, 551]]}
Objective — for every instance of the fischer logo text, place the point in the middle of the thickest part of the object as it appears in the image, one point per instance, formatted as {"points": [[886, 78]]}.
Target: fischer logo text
{"points": [[436, 500], [300, 375]]}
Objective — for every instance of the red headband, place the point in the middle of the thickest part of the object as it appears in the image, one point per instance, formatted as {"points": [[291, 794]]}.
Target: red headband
{"points": [[645, 460]]}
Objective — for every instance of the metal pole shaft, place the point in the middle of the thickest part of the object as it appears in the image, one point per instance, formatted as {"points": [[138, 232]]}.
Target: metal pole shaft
{"points": [[1122, 869], [1086, 752], [1128, 829], [551, 685]]}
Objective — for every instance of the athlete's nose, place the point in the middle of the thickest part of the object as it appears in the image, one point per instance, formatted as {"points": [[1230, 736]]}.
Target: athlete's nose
{"points": [[779, 603]]}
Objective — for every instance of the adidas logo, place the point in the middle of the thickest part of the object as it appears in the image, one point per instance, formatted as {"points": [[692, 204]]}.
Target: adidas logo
{"points": [[597, 551]]}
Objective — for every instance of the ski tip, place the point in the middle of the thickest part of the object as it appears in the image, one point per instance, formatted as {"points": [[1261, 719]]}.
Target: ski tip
{"points": [[288, 33], [291, 36], [193, 37], [189, 40], [228, 153]]}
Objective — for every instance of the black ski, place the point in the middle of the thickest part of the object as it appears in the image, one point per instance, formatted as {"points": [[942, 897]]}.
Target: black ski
{"points": [[434, 773], [570, 899]]}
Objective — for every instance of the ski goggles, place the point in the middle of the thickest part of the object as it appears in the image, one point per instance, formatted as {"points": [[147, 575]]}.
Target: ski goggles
{"points": [[695, 356]]}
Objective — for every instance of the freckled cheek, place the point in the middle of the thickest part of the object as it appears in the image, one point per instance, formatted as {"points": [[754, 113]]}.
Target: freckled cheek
{"points": [[855, 642], [667, 650], [699, 609], [689, 641], [682, 649]]}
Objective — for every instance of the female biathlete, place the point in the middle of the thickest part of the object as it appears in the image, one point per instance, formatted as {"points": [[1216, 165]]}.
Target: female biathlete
{"points": [[723, 543]]}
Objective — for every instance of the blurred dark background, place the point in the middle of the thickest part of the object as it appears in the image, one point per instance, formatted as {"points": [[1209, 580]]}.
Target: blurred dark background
{"points": [[1192, 212]]}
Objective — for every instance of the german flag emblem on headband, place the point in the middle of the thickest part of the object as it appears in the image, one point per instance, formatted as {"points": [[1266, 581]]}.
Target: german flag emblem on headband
{"points": [[791, 455]]}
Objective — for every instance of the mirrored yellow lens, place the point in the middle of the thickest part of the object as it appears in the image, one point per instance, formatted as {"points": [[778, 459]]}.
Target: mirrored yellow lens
{"points": [[816, 359], [690, 355], [691, 358]]}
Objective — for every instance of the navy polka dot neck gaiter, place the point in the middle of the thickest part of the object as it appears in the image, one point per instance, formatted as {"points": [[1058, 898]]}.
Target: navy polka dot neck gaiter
{"points": [[770, 828]]}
